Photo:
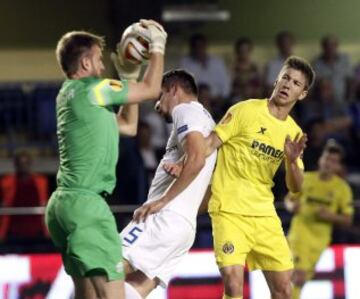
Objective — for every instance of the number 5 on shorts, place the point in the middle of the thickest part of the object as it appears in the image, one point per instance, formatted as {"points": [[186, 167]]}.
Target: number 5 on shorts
{"points": [[133, 235]]}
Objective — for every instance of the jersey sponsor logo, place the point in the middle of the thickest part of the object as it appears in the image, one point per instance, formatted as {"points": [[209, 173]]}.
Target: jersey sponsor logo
{"points": [[116, 85], [182, 129], [266, 152], [319, 201], [262, 130], [228, 248], [226, 119]]}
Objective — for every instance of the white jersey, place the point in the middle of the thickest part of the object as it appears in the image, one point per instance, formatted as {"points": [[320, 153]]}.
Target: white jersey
{"points": [[187, 117]]}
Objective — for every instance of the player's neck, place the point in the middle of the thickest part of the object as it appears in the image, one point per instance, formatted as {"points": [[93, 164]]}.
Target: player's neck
{"points": [[80, 74], [325, 176], [279, 112]]}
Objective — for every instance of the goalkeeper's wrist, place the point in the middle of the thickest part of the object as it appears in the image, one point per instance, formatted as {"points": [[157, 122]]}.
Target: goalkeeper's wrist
{"points": [[157, 46]]}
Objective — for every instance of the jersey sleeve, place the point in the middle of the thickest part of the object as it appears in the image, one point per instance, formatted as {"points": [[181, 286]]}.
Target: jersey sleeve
{"points": [[230, 124], [346, 200], [109, 92], [186, 120]]}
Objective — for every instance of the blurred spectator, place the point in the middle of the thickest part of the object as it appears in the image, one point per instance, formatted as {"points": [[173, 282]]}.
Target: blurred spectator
{"points": [[285, 42], [246, 76], [215, 108], [159, 131], [206, 68], [146, 150], [315, 130], [23, 189], [323, 104], [132, 182], [334, 66]]}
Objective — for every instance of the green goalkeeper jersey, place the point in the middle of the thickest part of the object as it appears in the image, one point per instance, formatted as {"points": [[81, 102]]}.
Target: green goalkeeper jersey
{"points": [[88, 133]]}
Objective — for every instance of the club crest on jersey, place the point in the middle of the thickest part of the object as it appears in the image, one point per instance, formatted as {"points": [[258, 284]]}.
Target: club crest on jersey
{"points": [[116, 85], [228, 248], [226, 119], [182, 129]]}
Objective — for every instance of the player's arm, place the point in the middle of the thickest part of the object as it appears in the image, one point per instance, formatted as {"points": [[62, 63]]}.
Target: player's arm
{"points": [[337, 219], [344, 217], [212, 143], [127, 119], [194, 147], [294, 173], [149, 87]]}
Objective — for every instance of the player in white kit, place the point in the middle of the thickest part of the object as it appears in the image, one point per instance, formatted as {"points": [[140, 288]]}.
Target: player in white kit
{"points": [[163, 229]]}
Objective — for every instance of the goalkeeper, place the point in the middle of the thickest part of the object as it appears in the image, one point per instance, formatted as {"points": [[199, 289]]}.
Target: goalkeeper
{"points": [[79, 220]]}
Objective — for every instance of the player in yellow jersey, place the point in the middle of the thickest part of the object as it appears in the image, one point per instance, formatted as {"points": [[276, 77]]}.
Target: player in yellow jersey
{"points": [[325, 200], [253, 138]]}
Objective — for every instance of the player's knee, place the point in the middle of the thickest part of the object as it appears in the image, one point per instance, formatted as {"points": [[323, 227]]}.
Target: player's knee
{"points": [[233, 281], [282, 290], [299, 278], [233, 286]]}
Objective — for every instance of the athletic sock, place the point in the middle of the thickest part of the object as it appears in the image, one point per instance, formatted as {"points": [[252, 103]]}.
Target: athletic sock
{"points": [[131, 292], [229, 297]]}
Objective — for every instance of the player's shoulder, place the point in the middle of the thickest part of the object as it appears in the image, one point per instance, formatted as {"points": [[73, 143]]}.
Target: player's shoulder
{"points": [[192, 108], [292, 124], [341, 182], [310, 174], [248, 105]]}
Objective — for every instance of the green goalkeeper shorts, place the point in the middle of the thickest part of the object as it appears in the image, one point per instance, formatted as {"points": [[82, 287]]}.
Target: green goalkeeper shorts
{"points": [[82, 226]]}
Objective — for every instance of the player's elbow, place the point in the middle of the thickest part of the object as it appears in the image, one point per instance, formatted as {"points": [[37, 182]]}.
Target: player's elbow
{"points": [[128, 130], [347, 222]]}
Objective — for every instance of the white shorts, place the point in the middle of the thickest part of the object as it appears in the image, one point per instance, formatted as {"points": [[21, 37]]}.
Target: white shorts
{"points": [[156, 246]]}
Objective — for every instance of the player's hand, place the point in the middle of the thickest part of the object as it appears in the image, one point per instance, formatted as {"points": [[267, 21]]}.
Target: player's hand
{"points": [[125, 70], [292, 206], [147, 209], [324, 214], [158, 36], [174, 169], [293, 149]]}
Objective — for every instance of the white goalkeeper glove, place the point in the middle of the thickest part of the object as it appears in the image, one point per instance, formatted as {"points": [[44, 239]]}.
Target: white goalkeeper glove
{"points": [[125, 70], [157, 36]]}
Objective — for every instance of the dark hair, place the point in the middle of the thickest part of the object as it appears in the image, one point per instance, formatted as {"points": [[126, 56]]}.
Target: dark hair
{"points": [[196, 38], [182, 78], [327, 38], [303, 66], [243, 41], [72, 46], [333, 147], [282, 35]]}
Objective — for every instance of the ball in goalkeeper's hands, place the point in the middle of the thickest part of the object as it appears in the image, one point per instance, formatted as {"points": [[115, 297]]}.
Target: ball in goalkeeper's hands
{"points": [[134, 44]]}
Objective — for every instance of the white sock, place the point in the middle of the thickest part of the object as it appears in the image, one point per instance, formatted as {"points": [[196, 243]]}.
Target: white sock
{"points": [[131, 292]]}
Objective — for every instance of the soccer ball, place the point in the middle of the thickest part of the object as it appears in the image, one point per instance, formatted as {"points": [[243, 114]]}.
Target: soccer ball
{"points": [[134, 46]]}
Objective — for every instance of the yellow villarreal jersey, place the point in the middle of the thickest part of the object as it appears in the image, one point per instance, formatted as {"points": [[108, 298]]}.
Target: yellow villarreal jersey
{"points": [[252, 150], [334, 194]]}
